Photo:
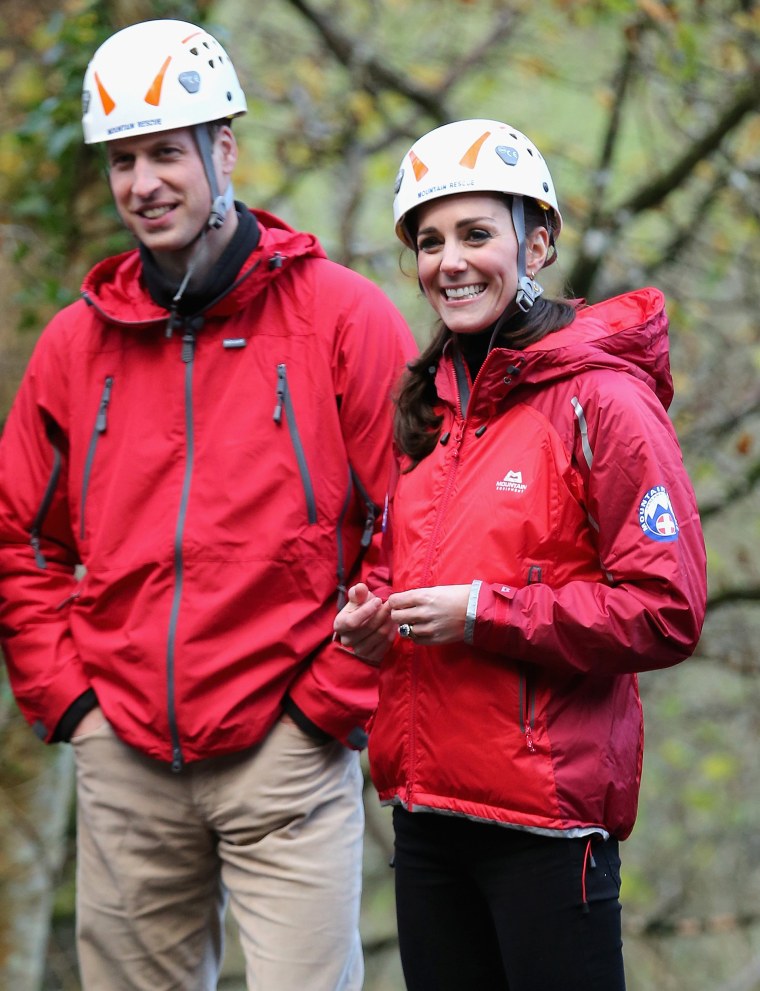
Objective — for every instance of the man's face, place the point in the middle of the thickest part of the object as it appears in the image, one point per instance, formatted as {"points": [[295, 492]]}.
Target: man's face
{"points": [[160, 187]]}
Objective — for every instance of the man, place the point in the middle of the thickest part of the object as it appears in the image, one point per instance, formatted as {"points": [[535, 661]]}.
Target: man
{"points": [[189, 478]]}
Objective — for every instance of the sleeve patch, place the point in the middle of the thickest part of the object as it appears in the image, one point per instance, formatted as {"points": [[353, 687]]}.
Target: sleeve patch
{"points": [[656, 517]]}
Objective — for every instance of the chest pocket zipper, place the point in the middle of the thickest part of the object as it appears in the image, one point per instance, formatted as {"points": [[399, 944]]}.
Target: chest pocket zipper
{"points": [[101, 423], [284, 402], [39, 519]]}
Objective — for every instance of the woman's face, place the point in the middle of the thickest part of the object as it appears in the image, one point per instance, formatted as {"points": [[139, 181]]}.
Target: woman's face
{"points": [[467, 258]]}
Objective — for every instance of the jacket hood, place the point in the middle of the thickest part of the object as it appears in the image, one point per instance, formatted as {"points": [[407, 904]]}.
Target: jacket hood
{"points": [[628, 333], [116, 288]]}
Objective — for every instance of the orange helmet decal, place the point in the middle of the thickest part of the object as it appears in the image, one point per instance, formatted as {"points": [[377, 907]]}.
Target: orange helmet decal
{"points": [[419, 167], [153, 96], [105, 99], [470, 158]]}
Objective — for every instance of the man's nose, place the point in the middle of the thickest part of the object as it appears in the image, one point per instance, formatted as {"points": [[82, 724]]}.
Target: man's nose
{"points": [[145, 179]]}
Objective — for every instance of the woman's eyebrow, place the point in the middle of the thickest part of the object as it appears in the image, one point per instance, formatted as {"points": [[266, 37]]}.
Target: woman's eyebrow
{"points": [[460, 223]]}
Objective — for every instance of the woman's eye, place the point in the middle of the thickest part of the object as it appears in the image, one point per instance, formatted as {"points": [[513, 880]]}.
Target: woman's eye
{"points": [[478, 234], [427, 243]]}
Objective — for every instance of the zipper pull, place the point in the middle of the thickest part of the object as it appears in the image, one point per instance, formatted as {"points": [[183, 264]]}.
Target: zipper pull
{"points": [[529, 739], [277, 416], [342, 600], [101, 422], [39, 557], [188, 347], [369, 526]]}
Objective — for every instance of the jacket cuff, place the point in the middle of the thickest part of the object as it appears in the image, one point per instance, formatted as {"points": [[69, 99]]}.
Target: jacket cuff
{"points": [[73, 716], [303, 722], [491, 606]]}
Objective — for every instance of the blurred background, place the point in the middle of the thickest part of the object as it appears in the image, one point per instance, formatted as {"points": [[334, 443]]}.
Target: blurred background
{"points": [[647, 112]]}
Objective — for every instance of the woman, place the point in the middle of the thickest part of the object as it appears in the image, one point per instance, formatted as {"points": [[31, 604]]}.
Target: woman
{"points": [[544, 547]]}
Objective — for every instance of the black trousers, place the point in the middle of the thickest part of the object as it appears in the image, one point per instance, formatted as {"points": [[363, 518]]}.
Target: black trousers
{"points": [[487, 908]]}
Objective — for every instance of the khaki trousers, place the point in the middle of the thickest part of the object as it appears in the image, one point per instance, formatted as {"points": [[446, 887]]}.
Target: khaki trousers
{"points": [[276, 831]]}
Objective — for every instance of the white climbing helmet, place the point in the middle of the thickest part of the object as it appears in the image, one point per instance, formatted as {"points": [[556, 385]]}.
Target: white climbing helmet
{"points": [[155, 76], [472, 156]]}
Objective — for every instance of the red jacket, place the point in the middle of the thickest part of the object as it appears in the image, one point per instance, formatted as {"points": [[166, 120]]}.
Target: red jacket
{"points": [[562, 497], [218, 485]]}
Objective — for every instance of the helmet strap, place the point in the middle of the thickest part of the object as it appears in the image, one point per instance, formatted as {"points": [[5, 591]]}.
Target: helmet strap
{"points": [[220, 203], [528, 290]]}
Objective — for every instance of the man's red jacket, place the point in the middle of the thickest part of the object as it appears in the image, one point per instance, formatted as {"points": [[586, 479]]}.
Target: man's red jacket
{"points": [[178, 513]]}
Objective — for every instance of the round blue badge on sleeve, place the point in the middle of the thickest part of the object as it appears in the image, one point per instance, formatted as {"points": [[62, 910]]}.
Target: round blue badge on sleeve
{"points": [[656, 517]]}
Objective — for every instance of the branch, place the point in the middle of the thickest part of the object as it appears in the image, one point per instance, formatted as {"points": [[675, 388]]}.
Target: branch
{"points": [[703, 435], [376, 76], [657, 189], [653, 192], [666, 926], [621, 86], [730, 596], [500, 29], [738, 490]]}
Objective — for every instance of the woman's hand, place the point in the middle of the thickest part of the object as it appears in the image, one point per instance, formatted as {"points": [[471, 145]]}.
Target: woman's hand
{"points": [[435, 615], [364, 624]]}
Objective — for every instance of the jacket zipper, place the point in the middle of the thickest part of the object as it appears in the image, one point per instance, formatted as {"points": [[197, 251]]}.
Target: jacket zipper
{"points": [[527, 710], [341, 557], [463, 389], [527, 691], [39, 519], [101, 422], [442, 506], [367, 531], [188, 357], [284, 401]]}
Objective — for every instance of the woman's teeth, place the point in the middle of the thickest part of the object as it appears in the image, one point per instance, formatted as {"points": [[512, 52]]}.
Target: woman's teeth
{"points": [[464, 292]]}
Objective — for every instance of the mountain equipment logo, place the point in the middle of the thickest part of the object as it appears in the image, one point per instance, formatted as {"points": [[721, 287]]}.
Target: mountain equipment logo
{"points": [[512, 482], [656, 516]]}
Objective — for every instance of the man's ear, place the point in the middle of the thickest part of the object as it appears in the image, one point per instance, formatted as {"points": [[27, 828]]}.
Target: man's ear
{"points": [[226, 149]]}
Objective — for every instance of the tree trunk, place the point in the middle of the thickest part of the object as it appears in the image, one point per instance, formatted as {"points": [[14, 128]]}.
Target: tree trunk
{"points": [[35, 801]]}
